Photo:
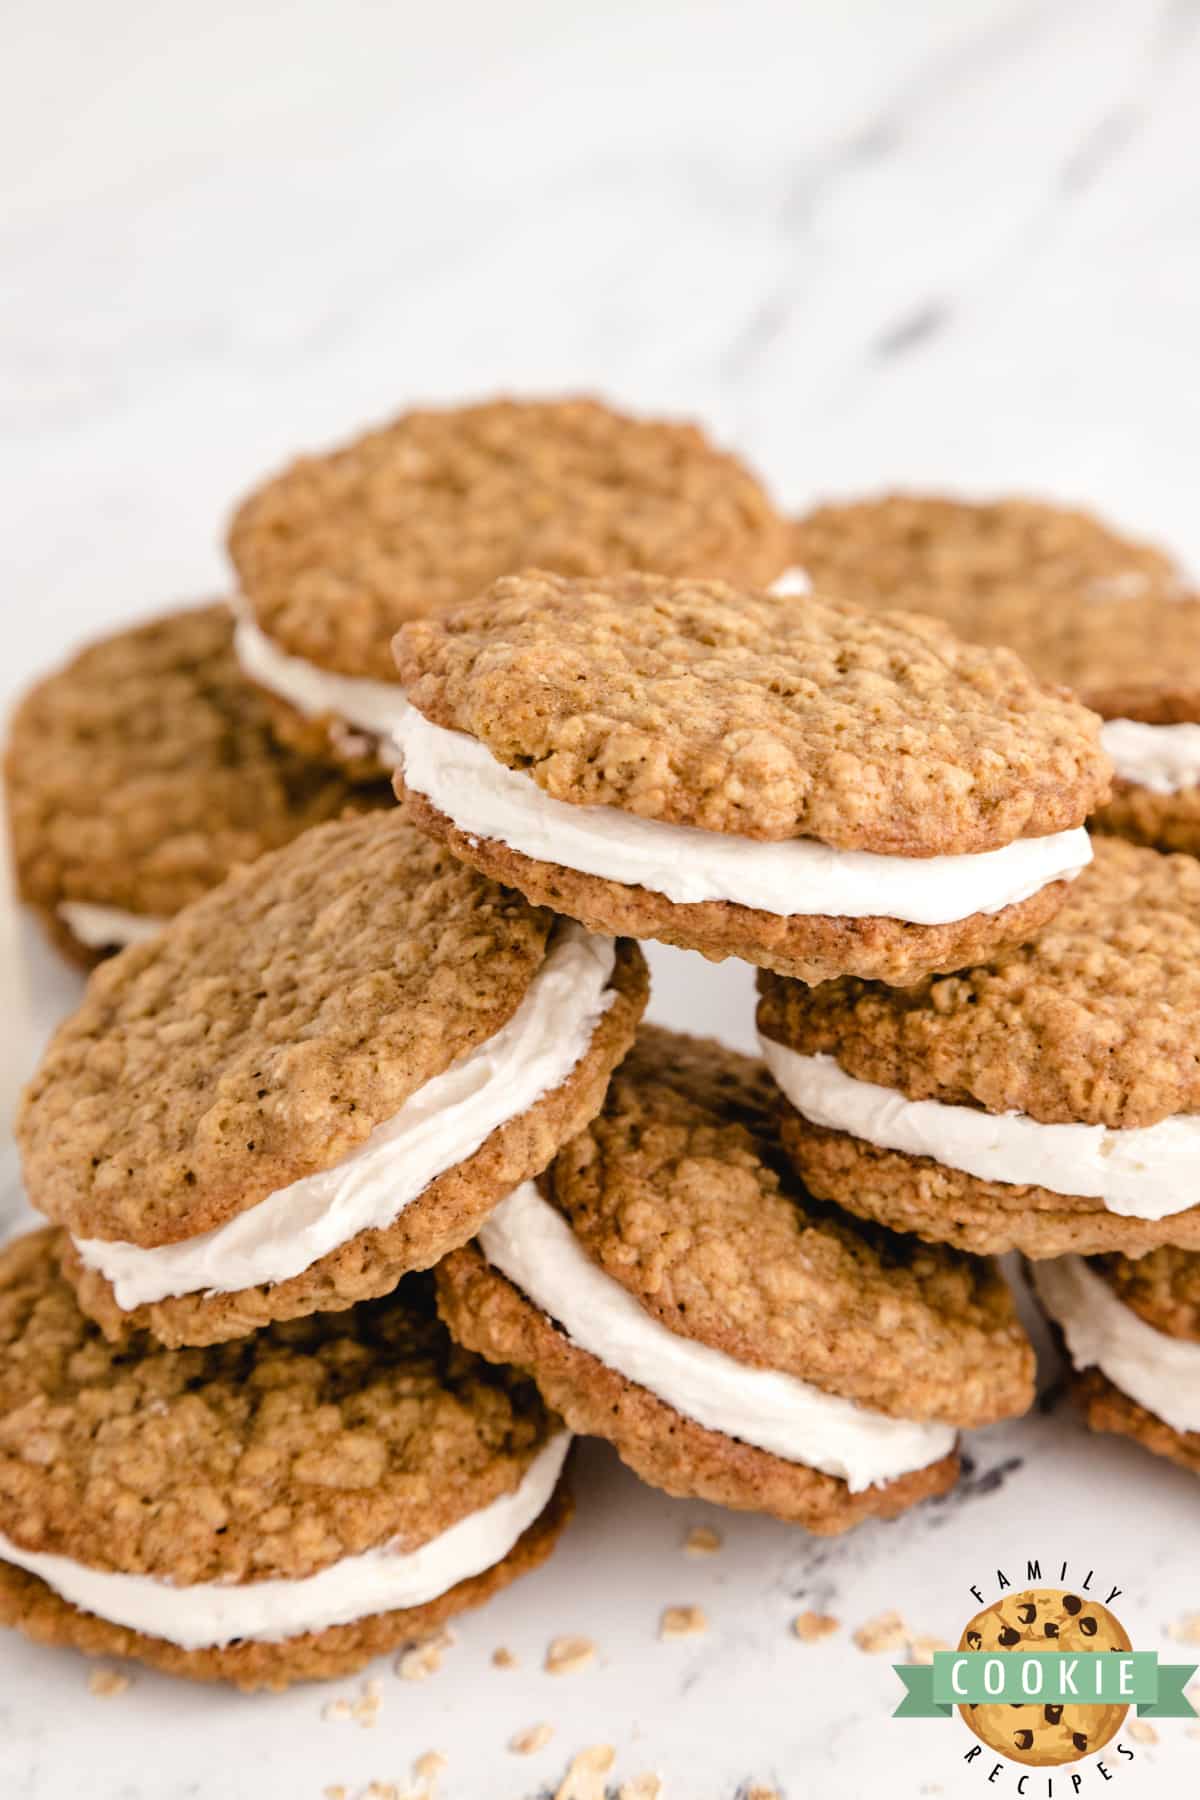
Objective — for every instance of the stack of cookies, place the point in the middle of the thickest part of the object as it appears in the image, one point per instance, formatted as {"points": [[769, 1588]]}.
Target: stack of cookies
{"points": [[366, 1184]]}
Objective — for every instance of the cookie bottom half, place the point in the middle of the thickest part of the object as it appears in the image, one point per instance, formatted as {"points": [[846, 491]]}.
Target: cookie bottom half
{"points": [[809, 947], [917, 1195], [28, 1605], [1106, 1409], [485, 1312]]}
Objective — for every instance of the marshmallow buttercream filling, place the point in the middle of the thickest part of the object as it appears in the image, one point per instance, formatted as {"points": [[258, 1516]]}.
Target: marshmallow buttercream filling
{"points": [[372, 707], [1161, 1373], [209, 1614], [531, 1243], [1163, 758], [1148, 1172], [102, 927], [797, 876], [439, 1126]]}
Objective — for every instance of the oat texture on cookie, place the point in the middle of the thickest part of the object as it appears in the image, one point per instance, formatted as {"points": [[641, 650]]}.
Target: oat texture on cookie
{"points": [[269, 1029], [734, 710], [143, 771], [334, 553], [679, 1191]]}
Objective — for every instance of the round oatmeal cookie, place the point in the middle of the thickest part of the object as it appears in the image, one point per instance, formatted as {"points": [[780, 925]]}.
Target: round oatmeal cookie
{"points": [[1091, 1024], [338, 550], [644, 728], [1044, 1735], [677, 1198], [1162, 1288], [142, 772], [269, 1461], [1106, 1409], [291, 1043], [1081, 604]]}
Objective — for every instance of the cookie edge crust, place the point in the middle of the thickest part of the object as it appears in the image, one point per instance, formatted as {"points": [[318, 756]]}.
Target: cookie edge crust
{"points": [[809, 947], [315, 737], [444, 1216], [483, 1311], [1165, 822], [29, 1605], [1107, 1409], [917, 1195]]}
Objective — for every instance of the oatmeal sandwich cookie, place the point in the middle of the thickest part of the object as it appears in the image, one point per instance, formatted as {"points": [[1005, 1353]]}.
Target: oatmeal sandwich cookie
{"points": [[142, 772], [1047, 1100], [1132, 1333], [671, 1287], [320, 1076], [1106, 615], [792, 781], [338, 550], [281, 1509]]}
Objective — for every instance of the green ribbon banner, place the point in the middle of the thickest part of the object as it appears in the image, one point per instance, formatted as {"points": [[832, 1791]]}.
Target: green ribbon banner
{"points": [[1045, 1677]]}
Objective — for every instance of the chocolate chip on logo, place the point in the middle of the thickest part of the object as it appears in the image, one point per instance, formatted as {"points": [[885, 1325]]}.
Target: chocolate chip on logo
{"points": [[1027, 1613], [1072, 1604], [1051, 1628], [1009, 1636], [1023, 1740], [1079, 1739], [974, 1641], [1052, 1715], [1088, 1626]]}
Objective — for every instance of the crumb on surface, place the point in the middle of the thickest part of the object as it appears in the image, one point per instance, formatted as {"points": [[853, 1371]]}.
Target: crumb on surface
{"points": [[532, 1739], [702, 1540], [429, 1766], [1185, 1630], [922, 1648], [567, 1655], [584, 1779], [1141, 1731], [420, 1661], [682, 1622], [811, 1626], [338, 1791], [886, 1631], [642, 1787], [503, 1658], [107, 1683]]}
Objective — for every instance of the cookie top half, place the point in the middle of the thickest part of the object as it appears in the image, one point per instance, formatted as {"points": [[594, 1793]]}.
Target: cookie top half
{"points": [[143, 771], [680, 1192], [1094, 1022], [334, 553], [1083, 604], [735, 710], [265, 1033], [272, 1457]]}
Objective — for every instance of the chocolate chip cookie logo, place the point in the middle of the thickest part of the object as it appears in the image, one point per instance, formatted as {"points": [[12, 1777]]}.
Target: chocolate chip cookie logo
{"points": [[1045, 1678]]}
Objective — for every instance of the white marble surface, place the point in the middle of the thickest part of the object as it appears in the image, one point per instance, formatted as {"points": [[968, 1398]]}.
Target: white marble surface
{"points": [[937, 243]]}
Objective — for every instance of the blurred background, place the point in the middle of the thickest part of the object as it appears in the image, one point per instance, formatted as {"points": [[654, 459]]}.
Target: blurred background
{"points": [[955, 242]]}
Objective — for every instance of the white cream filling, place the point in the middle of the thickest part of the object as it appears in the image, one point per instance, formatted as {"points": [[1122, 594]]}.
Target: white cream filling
{"points": [[793, 581], [439, 1126], [106, 927], [1163, 758], [1161, 1373], [371, 707], [1145, 1173], [485, 799], [530, 1242], [208, 1614]]}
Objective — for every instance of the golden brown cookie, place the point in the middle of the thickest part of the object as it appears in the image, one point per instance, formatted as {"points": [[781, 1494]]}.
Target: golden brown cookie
{"points": [[1044, 1736], [338, 550], [1033, 1101], [205, 1503], [143, 771], [321, 1075], [677, 1292], [1081, 604], [745, 773], [1106, 1409]]}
